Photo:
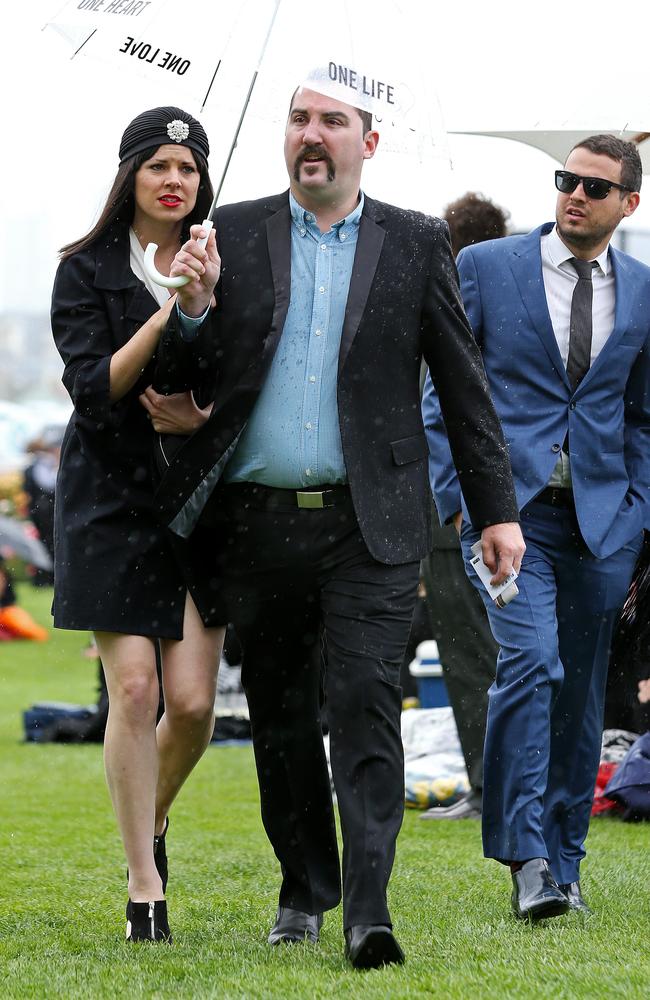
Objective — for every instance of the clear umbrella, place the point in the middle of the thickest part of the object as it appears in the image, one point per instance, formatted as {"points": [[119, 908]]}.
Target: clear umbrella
{"points": [[184, 55], [18, 538], [245, 59], [191, 65]]}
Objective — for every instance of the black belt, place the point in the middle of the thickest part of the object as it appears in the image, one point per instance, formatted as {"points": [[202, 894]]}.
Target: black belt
{"points": [[556, 496], [272, 497]]}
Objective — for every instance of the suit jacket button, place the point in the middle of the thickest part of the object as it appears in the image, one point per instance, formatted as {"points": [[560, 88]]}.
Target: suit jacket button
{"points": [[556, 447]]}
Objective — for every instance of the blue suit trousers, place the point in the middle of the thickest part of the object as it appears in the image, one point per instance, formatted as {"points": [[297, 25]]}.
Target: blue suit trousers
{"points": [[544, 724]]}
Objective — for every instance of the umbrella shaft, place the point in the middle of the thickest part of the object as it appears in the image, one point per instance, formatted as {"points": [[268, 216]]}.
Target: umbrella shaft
{"points": [[243, 113]]}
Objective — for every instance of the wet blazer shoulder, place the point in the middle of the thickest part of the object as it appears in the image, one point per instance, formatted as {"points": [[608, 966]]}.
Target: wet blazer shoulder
{"points": [[97, 304]]}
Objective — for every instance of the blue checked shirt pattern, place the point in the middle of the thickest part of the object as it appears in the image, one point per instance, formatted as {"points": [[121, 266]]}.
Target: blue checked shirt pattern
{"points": [[293, 438]]}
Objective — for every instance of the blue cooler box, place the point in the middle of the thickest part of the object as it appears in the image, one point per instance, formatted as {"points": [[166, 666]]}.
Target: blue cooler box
{"points": [[427, 670]]}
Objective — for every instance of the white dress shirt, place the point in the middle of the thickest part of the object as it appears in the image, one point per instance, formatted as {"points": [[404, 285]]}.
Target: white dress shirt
{"points": [[560, 279]]}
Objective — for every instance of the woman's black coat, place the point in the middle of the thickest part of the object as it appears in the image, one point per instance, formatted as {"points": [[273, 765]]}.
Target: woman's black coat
{"points": [[114, 568]]}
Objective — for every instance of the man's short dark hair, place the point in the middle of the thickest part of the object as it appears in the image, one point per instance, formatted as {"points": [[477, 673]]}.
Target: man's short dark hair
{"points": [[625, 153], [474, 219], [365, 116]]}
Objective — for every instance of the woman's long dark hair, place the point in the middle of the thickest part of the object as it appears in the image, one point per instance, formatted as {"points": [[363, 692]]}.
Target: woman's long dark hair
{"points": [[120, 204]]}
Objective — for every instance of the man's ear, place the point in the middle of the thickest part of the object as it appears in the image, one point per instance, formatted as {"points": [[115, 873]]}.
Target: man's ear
{"points": [[370, 141]]}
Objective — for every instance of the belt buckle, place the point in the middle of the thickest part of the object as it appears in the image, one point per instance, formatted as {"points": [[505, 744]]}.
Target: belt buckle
{"points": [[310, 501]]}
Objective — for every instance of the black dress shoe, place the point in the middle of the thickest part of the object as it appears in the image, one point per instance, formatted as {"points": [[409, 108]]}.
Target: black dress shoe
{"points": [[368, 946], [576, 900], [469, 807], [535, 893], [147, 921], [294, 927], [160, 855]]}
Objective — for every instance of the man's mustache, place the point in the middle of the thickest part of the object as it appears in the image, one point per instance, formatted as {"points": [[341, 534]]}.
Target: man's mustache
{"points": [[314, 151]]}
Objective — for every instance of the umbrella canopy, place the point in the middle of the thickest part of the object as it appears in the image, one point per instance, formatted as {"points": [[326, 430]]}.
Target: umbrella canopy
{"points": [[182, 52], [558, 142], [207, 61], [362, 54], [18, 538]]}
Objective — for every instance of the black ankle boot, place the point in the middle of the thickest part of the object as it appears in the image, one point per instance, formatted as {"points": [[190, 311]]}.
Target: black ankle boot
{"points": [[147, 921]]}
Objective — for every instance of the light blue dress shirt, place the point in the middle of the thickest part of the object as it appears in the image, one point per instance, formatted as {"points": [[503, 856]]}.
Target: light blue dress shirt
{"points": [[292, 437]]}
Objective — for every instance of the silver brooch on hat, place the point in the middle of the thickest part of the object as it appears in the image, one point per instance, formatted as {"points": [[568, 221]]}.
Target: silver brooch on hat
{"points": [[178, 130]]}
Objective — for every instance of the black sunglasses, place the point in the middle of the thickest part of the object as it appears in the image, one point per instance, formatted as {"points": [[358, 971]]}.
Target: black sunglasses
{"points": [[593, 187]]}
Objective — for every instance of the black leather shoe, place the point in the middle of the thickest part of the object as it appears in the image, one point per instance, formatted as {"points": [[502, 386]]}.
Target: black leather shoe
{"points": [[147, 921], [535, 893], [294, 927], [576, 900], [466, 808], [160, 855], [369, 946]]}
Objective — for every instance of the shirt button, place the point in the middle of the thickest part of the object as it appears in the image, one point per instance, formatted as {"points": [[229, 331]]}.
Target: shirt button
{"points": [[309, 218], [322, 288], [319, 333], [312, 378], [308, 425], [303, 232], [572, 406], [556, 447], [343, 236], [308, 472], [323, 246]]}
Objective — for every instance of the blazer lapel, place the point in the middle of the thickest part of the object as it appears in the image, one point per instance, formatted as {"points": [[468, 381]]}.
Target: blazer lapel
{"points": [[140, 304], [113, 260], [526, 266], [366, 258], [278, 234], [114, 274]]}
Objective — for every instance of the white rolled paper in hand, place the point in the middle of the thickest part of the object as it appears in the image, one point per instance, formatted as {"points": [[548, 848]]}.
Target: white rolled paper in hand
{"points": [[504, 592]]}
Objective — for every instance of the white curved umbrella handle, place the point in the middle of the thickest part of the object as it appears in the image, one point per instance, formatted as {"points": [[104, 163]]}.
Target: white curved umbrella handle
{"points": [[162, 279]]}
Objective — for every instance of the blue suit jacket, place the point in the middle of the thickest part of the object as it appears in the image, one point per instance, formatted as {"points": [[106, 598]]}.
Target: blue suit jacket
{"points": [[608, 416]]}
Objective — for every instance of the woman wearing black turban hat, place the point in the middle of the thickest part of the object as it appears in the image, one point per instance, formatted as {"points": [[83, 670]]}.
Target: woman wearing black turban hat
{"points": [[114, 569]]}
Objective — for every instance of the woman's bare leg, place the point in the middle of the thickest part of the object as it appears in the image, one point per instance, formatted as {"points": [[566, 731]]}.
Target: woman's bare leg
{"points": [[130, 752], [190, 669]]}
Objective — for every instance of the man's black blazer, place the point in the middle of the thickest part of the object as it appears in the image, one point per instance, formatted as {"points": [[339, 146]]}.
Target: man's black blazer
{"points": [[403, 304]]}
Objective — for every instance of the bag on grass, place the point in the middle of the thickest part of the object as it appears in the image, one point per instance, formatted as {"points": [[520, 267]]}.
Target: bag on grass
{"points": [[630, 785], [601, 804], [46, 721]]}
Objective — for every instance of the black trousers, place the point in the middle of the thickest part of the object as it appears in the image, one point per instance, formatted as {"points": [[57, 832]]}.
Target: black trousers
{"points": [[286, 572], [468, 652]]}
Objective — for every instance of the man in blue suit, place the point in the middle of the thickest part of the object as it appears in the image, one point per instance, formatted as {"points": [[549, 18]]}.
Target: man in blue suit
{"points": [[563, 323]]}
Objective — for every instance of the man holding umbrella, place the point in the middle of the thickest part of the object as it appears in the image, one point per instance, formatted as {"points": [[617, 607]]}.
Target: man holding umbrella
{"points": [[313, 467]]}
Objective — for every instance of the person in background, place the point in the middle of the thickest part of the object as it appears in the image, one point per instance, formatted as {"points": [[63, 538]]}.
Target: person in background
{"points": [[15, 622], [457, 615], [627, 701], [115, 573], [563, 323], [38, 483]]}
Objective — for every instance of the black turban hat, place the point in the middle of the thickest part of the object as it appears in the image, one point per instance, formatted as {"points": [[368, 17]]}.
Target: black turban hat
{"points": [[160, 127]]}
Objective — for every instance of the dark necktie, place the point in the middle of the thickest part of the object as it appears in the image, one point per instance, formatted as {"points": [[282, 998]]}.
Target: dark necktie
{"points": [[580, 328]]}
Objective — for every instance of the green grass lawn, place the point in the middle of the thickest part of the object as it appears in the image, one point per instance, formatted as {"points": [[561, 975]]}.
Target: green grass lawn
{"points": [[63, 893]]}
